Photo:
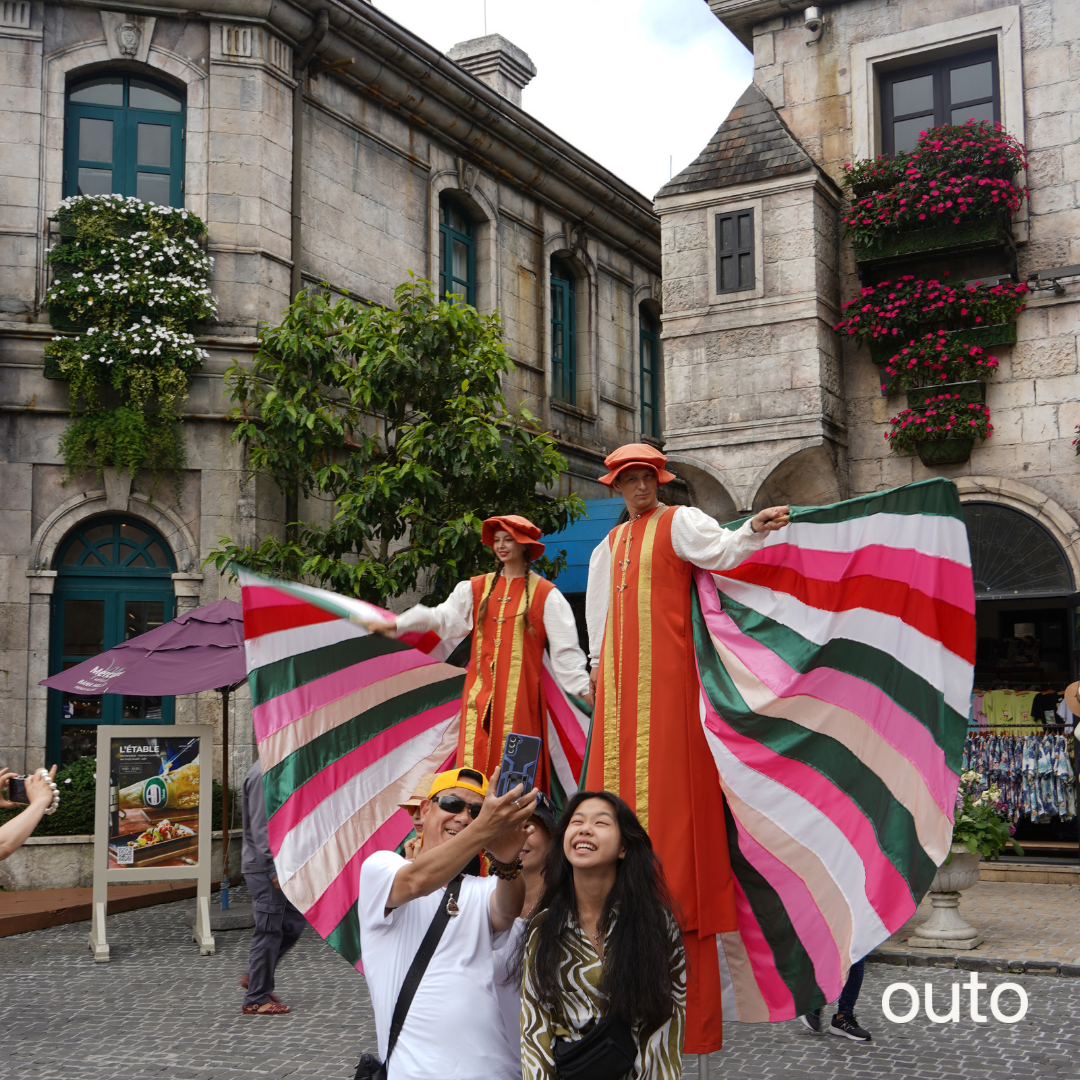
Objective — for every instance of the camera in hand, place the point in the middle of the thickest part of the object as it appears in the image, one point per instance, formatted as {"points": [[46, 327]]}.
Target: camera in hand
{"points": [[521, 754], [16, 790]]}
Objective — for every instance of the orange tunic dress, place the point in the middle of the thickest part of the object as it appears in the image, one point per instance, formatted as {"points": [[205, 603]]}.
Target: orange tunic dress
{"points": [[503, 690], [647, 745]]}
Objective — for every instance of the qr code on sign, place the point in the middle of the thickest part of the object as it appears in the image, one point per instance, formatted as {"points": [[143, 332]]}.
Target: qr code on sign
{"points": [[125, 856]]}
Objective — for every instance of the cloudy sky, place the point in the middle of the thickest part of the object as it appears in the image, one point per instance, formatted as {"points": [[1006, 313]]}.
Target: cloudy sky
{"points": [[639, 85]]}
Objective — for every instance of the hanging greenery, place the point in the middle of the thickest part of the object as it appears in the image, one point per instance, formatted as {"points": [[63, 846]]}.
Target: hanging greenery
{"points": [[131, 279]]}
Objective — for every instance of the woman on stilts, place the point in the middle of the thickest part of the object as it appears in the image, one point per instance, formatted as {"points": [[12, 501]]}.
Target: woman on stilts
{"points": [[511, 613]]}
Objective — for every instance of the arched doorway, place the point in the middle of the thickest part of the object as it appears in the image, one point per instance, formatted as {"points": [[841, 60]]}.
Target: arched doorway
{"points": [[113, 582]]}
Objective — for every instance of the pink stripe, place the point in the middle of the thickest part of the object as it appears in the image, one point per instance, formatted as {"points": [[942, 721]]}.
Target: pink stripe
{"points": [[886, 890], [565, 721], [941, 579], [301, 701], [895, 725], [323, 784], [773, 989], [343, 892], [261, 596], [813, 931]]}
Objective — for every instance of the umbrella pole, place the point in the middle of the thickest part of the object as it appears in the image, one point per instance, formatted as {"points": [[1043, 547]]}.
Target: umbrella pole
{"points": [[225, 798]]}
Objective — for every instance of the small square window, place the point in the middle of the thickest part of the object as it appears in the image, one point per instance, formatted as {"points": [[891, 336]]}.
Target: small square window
{"points": [[735, 252]]}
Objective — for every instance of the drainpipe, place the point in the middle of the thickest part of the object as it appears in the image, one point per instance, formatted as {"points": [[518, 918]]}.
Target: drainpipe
{"points": [[322, 25]]}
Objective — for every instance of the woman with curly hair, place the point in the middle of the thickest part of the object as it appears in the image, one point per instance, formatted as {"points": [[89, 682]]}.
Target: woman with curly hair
{"points": [[603, 971]]}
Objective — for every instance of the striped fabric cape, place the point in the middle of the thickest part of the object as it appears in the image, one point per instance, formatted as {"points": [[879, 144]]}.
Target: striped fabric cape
{"points": [[347, 722], [835, 670], [836, 667]]}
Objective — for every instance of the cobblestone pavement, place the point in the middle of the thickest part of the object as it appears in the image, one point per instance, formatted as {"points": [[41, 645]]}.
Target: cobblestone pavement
{"points": [[160, 1010], [1019, 921]]}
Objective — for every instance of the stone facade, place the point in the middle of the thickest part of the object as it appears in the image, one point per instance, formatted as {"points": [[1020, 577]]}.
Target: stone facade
{"points": [[389, 126], [763, 403]]}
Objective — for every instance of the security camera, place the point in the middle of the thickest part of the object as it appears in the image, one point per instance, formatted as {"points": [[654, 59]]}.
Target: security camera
{"points": [[813, 20]]}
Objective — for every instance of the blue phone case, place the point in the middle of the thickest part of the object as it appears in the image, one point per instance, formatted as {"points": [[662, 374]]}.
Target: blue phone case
{"points": [[521, 755]]}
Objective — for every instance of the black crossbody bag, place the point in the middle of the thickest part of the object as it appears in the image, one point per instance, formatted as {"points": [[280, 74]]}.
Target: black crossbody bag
{"points": [[608, 1052], [370, 1067]]}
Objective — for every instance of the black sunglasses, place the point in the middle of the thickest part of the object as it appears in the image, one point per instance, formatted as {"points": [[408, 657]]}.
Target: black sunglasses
{"points": [[454, 804]]}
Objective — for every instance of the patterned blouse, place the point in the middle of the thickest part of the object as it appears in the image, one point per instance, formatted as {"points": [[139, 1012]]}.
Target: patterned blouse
{"points": [[580, 1005]]}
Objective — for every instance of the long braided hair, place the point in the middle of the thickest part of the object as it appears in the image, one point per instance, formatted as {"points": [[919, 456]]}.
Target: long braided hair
{"points": [[481, 611]]}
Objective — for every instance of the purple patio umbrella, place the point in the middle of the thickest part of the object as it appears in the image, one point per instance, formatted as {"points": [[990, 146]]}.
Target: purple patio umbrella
{"points": [[200, 650]]}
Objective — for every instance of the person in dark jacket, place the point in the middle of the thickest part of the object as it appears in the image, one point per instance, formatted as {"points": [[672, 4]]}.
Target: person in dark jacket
{"points": [[277, 923]]}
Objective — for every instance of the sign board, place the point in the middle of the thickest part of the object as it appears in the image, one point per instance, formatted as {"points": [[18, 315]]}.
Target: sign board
{"points": [[152, 819]]}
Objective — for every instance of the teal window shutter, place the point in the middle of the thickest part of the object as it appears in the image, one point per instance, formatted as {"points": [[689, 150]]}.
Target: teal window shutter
{"points": [[457, 254], [563, 334], [650, 375], [124, 135]]}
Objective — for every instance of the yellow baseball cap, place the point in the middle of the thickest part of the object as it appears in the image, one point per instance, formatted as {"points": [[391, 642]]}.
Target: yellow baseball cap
{"points": [[469, 779]]}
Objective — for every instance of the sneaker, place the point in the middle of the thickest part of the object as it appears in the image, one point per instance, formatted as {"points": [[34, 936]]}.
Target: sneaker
{"points": [[846, 1027], [812, 1020]]}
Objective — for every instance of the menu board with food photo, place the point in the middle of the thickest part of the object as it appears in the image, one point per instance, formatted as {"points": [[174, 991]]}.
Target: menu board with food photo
{"points": [[153, 802]]}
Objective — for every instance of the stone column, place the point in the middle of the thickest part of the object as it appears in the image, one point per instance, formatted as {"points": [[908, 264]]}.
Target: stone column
{"points": [[42, 584]]}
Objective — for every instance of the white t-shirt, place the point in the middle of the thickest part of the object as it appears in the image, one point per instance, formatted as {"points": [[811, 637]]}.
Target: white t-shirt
{"points": [[454, 1030], [509, 995]]}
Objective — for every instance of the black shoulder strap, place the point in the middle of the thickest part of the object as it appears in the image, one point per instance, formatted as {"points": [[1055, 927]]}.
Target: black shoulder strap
{"points": [[419, 965]]}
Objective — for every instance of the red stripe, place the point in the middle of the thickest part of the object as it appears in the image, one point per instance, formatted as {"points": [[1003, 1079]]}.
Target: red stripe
{"points": [[421, 642], [943, 622], [274, 610]]}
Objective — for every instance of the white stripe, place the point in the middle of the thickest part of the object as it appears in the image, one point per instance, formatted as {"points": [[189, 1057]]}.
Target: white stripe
{"points": [[729, 1003], [281, 644], [930, 534], [308, 835], [944, 670], [347, 606], [559, 761], [583, 721], [445, 647], [812, 828]]}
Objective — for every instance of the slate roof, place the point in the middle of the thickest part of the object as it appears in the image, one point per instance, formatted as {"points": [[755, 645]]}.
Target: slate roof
{"points": [[753, 143]]}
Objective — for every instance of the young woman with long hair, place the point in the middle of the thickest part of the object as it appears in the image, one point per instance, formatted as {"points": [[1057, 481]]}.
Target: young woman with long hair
{"points": [[603, 946], [511, 613]]}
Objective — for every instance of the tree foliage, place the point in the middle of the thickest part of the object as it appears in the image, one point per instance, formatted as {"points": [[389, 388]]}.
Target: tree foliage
{"points": [[396, 416]]}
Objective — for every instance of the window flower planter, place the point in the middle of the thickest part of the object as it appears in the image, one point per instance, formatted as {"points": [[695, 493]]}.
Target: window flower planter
{"points": [[968, 393], [945, 451], [979, 235], [883, 350]]}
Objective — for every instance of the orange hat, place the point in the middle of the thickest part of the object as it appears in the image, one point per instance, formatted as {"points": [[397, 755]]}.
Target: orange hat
{"points": [[636, 454], [520, 528]]}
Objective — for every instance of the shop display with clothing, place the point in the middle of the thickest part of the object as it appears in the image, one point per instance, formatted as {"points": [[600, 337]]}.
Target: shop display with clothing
{"points": [[1035, 774]]}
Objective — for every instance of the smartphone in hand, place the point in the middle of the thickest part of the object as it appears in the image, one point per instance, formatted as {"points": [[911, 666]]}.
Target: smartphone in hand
{"points": [[521, 755]]}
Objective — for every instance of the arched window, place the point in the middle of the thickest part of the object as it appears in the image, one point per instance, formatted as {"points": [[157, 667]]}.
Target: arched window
{"points": [[114, 582], [650, 374], [457, 253], [124, 135], [563, 333], [1013, 555]]}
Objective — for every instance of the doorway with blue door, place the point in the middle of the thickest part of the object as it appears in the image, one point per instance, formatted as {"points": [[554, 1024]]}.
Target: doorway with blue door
{"points": [[113, 582]]}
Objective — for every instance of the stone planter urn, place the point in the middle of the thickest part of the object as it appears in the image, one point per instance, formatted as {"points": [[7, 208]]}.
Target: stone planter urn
{"points": [[947, 928]]}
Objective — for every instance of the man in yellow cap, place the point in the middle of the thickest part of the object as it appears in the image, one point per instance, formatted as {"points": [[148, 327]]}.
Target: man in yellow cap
{"points": [[454, 1028], [646, 723]]}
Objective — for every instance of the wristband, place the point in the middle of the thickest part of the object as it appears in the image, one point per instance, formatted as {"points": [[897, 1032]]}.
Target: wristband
{"points": [[505, 871]]}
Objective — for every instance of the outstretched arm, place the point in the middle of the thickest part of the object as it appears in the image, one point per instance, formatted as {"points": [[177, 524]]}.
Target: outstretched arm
{"points": [[699, 540], [450, 619]]}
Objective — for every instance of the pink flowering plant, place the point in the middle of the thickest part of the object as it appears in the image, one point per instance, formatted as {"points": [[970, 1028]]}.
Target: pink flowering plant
{"points": [[935, 358], [898, 309], [945, 416]]}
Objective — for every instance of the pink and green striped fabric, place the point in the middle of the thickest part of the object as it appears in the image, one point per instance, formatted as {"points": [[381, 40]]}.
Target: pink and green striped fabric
{"points": [[836, 667]]}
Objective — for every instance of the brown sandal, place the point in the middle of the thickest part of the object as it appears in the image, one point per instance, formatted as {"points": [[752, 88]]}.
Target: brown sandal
{"points": [[267, 1008]]}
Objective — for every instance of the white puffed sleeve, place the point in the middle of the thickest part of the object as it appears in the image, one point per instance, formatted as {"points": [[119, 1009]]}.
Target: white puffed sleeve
{"points": [[697, 539], [597, 598], [453, 618], [567, 659]]}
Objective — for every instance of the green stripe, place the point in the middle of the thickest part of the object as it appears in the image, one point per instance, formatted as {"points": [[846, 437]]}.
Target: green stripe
{"points": [[281, 676], [891, 821], [558, 795], [936, 497], [792, 961], [310, 759], [345, 937], [909, 690]]}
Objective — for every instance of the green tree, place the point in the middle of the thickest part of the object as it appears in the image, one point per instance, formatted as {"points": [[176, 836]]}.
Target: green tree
{"points": [[396, 416]]}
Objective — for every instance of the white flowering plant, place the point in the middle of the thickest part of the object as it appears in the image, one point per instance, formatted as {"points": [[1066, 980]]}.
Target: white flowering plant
{"points": [[979, 825], [130, 281]]}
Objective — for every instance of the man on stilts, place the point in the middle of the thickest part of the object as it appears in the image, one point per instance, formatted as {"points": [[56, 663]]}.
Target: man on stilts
{"points": [[646, 721]]}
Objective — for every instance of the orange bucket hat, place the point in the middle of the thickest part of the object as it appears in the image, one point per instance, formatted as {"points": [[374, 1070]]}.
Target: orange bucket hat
{"points": [[636, 454], [520, 528]]}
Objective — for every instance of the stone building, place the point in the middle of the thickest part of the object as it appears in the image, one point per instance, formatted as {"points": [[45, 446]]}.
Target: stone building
{"points": [[320, 142], [766, 404]]}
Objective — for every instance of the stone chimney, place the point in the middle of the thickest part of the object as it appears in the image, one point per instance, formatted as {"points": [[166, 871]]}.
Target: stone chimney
{"points": [[497, 62]]}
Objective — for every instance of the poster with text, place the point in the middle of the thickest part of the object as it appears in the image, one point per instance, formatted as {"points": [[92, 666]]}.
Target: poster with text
{"points": [[154, 787]]}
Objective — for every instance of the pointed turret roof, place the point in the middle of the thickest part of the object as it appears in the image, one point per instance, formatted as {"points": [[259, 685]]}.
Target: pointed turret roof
{"points": [[753, 143]]}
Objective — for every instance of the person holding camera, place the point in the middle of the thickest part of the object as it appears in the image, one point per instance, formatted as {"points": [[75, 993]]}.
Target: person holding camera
{"points": [[427, 934], [603, 992], [41, 798]]}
